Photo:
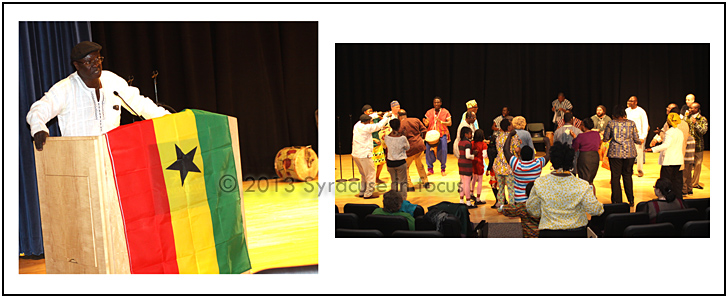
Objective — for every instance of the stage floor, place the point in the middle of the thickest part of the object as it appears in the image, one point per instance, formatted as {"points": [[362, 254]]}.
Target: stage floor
{"points": [[643, 190], [282, 225]]}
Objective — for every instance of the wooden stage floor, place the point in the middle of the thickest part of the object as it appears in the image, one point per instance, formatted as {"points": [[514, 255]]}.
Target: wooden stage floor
{"points": [[643, 190], [282, 226]]}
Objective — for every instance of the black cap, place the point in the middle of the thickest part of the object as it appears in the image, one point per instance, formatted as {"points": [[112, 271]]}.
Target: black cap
{"points": [[84, 48], [365, 118]]}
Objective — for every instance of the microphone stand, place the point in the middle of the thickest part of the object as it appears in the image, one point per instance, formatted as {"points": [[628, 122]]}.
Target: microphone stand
{"points": [[156, 94], [352, 158], [154, 76], [341, 169]]}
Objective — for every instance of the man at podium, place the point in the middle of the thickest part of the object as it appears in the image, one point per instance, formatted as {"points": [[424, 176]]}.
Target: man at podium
{"points": [[88, 102]]}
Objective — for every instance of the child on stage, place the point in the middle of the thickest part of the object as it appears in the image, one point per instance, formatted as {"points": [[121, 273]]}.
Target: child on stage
{"points": [[480, 151], [465, 165]]}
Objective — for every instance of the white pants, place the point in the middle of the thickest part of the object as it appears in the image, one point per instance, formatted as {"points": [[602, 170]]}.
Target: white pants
{"points": [[367, 171], [640, 156]]}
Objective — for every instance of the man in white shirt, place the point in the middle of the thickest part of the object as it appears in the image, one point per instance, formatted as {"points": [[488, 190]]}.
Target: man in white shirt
{"points": [[639, 116], [361, 152], [87, 102]]}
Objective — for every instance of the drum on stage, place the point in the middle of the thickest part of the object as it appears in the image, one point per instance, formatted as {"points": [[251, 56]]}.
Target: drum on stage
{"points": [[297, 162], [432, 137], [550, 135]]}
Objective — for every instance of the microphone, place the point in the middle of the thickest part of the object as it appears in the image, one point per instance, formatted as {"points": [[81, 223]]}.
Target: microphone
{"points": [[122, 99]]}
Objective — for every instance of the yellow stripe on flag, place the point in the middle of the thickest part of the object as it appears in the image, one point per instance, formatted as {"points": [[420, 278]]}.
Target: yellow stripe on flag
{"points": [[190, 213]]}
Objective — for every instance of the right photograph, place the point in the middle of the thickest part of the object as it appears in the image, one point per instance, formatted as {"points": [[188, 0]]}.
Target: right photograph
{"points": [[522, 140]]}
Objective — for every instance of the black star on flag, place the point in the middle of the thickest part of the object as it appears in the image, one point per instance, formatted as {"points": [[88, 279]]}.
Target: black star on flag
{"points": [[184, 163]]}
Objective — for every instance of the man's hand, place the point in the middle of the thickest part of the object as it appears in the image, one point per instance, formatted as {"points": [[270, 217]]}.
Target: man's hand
{"points": [[39, 139], [653, 143], [426, 122]]}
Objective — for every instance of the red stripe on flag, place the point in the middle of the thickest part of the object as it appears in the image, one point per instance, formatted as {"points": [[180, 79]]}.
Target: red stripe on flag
{"points": [[143, 198]]}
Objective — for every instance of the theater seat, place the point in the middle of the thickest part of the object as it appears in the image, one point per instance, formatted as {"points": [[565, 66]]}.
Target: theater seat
{"points": [[417, 234], [699, 204], [678, 218], [659, 230], [358, 233], [615, 223], [696, 229], [596, 223], [386, 223], [347, 221], [361, 210]]}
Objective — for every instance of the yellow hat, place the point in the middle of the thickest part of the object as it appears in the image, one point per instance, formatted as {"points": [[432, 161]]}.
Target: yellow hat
{"points": [[673, 119], [471, 104]]}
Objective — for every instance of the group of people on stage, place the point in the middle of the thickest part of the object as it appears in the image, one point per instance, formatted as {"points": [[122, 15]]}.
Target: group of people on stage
{"points": [[617, 142]]}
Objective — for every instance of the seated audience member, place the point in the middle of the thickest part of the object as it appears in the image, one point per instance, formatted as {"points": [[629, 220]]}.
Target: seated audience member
{"points": [[667, 199], [392, 202], [529, 224], [561, 200]]}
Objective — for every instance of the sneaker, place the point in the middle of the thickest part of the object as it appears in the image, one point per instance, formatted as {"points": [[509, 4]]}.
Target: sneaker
{"points": [[410, 189], [699, 187], [428, 185]]}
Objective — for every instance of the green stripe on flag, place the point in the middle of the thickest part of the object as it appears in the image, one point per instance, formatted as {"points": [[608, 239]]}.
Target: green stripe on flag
{"points": [[223, 192]]}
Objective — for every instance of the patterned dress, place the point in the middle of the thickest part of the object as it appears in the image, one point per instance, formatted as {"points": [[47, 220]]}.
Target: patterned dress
{"points": [[504, 175], [529, 224]]}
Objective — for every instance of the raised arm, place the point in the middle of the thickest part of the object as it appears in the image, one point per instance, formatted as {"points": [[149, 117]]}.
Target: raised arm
{"points": [[547, 143], [507, 145]]}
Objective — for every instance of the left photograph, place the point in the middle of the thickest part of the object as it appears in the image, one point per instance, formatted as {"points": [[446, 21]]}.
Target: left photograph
{"points": [[168, 147]]}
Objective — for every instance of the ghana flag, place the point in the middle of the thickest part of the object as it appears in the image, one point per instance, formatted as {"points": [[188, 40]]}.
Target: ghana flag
{"points": [[180, 202]]}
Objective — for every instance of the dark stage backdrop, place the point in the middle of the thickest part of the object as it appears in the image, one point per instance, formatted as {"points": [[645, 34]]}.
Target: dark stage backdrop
{"points": [[263, 73], [524, 77]]}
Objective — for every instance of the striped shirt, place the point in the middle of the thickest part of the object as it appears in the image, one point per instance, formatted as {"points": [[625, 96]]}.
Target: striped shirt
{"points": [[558, 114], [465, 165], [523, 173]]}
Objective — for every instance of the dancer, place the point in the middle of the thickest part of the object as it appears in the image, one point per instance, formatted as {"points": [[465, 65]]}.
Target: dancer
{"points": [[378, 149], [465, 165], [672, 153], [698, 128], [559, 106], [504, 175], [413, 129], [639, 116], [524, 166], [397, 146], [621, 133], [361, 152], [472, 106], [469, 120], [587, 145], [480, 149], [437, 118]]}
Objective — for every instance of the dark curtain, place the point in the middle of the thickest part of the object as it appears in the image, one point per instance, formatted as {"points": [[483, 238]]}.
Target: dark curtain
{"points": [[45, 50], [265, 74], [524, 77]]}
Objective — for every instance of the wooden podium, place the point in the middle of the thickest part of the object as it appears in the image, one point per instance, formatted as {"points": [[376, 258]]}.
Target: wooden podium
{"points": [[83, 230]]}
